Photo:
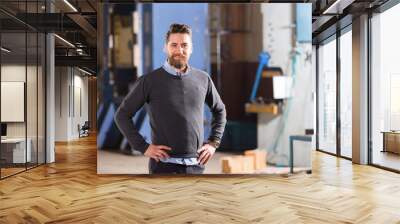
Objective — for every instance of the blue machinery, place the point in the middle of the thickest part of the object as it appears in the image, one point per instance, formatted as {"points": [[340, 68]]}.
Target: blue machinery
{"points": [[264, 61]]}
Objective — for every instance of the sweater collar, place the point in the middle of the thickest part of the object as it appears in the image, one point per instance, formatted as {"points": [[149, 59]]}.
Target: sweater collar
{"points": [[171, 70]]}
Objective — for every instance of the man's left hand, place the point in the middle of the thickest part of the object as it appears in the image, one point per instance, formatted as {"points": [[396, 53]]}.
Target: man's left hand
{"points": [[205, 153]]}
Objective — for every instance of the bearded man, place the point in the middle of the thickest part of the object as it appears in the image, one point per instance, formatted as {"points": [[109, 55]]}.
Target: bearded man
{"points": [[175, 95]]}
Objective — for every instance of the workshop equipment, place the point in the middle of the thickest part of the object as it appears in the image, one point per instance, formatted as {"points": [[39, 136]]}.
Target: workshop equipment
{"points": [[269, 89], [263, 62]]}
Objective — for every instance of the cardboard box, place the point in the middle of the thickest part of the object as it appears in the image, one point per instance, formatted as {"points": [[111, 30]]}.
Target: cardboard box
{"points": [[231, 164], [259, 158], [237, 164], [248, 164]]}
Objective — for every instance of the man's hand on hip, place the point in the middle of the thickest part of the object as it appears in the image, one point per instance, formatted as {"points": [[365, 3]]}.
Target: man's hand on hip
{"points": [[157, 152], [205, 153]]}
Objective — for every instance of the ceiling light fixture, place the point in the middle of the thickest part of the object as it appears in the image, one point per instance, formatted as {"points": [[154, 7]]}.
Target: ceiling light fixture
{"points": [[79, 51], [84, 71], [70, 5], [5, 49], [65, 41], [337, 7]]}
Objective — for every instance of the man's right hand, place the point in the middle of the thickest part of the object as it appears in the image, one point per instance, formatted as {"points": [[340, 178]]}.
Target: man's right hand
{"points": [[157, 152]]}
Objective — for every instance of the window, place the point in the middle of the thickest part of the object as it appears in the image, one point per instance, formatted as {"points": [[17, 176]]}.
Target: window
{"points": [[385, 89], [327, 97], [346, 94]]}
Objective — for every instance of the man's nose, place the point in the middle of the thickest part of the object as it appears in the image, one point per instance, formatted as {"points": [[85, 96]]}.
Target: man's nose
{"points": [[180, 50]]}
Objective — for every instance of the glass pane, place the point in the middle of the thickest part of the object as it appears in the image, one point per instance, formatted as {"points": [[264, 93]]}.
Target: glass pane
{"points": [[41, 98], [346, 94], [327, 97], [31, 101], [13, 84], [386, 89]]}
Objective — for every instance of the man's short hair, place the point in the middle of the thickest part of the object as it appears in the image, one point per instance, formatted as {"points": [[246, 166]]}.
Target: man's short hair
{"points": [[178, 28]]}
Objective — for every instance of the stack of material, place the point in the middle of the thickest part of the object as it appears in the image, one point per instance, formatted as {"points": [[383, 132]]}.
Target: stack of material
{"points": [[251, 161], [259, 157], [237, 164]]}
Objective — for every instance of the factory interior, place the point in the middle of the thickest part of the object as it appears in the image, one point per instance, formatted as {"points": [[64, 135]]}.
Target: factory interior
{"points": [[263, 122], [309, 87]]}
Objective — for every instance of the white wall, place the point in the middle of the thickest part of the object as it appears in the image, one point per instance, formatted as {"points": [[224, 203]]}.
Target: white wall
{"points": [[71, 93], [12, 73], [80, 100], [278, 33], [274, 131], [61, 103]]}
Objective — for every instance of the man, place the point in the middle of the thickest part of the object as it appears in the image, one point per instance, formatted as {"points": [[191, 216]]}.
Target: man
{"points": [[175, 95]]}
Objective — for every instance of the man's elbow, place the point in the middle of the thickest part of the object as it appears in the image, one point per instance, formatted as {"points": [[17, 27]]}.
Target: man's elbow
{"points": [[221, 114], [119, 116], [116, 118], [223, 111]]}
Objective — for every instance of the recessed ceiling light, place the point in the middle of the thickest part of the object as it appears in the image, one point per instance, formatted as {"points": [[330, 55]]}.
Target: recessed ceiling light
{"points": [[84, 71]]}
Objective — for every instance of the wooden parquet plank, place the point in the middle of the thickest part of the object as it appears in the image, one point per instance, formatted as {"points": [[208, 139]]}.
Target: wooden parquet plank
{"points": [[70, 191]]}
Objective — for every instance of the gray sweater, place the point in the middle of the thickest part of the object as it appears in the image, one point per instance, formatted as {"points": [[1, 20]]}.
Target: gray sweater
{"points": [[176, 109]]}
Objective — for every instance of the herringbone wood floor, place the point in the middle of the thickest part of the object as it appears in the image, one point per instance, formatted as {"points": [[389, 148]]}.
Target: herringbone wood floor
{"points": [[70, 191]]}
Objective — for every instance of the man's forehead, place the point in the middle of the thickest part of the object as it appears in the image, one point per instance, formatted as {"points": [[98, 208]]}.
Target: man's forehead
{"points": [[179, 38]]}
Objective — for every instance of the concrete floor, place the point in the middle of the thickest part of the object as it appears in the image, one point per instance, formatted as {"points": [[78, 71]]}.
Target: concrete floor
{"points": [[110, 162]]}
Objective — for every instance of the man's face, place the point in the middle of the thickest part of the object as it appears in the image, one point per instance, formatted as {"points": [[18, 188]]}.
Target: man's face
{"points": [[179, 49]]}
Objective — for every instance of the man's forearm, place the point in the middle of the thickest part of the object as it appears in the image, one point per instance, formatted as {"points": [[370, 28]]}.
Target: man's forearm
{"points": [[218, 111], [123, 119], [218, 124]]}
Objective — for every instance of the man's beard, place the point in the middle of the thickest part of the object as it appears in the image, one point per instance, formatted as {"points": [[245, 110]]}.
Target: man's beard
{"points": [[178, 63]]}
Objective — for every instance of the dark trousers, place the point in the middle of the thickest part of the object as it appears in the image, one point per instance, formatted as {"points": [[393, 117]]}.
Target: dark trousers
{"points": [[172, 168]]}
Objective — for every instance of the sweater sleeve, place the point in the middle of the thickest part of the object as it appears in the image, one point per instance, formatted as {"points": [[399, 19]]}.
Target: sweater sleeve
{"points": [[127, 110], [218, 111]]}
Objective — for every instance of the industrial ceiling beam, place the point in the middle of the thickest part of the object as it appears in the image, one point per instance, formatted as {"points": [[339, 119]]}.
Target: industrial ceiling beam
{"points": [[84, 24], [44, 22], [337, 7], [82, 61], [319, 23]]}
